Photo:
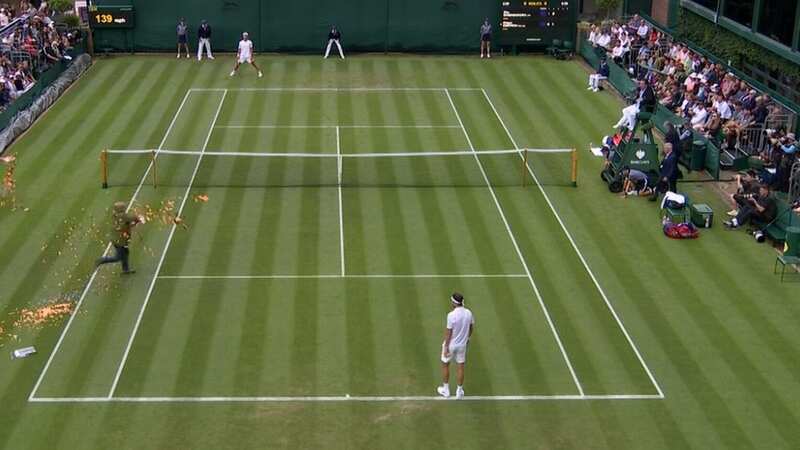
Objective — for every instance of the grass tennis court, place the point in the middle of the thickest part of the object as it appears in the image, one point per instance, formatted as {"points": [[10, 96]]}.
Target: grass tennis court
{"points": [[302, 305]]}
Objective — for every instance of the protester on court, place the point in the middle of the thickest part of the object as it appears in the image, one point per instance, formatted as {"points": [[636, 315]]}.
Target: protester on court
{"points": [[334, 36], [122, 228], [204, 35]]}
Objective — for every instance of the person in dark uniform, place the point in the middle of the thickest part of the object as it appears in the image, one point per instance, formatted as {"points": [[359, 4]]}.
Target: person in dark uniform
{"points": [[204, 40], [668, 173], [334, 36], [486, 38], [123, 223]]}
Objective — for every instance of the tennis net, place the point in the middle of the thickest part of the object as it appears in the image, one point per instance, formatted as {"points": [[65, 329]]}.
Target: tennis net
{"points": [[556, 167]]}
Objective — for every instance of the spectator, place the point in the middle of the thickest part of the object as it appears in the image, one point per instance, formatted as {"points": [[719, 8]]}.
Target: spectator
{"points": [[712, 126], [723, 107], [204, 37], [699, 114]]}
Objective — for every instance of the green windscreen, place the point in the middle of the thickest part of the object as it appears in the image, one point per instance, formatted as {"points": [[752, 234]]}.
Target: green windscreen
{"points": [[366, 25]]}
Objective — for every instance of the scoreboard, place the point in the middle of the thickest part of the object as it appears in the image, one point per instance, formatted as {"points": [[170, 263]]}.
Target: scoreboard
{"points": [[111, 17], [537, 22]]}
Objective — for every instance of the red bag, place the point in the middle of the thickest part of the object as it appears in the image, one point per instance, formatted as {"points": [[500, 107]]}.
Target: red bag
{"points": [[681, 231]]}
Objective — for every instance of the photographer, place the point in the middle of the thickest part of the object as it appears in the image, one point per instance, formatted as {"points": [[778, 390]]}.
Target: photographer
{"points": [[761, 207], [746, 187]]}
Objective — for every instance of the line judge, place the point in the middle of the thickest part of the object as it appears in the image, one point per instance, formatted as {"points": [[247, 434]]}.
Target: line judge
{"points": [[333, 38]]}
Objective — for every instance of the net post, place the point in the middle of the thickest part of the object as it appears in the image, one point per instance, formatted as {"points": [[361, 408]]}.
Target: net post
{"points": [[575, 167], [104, 167], [153, 163], [524, 166]]}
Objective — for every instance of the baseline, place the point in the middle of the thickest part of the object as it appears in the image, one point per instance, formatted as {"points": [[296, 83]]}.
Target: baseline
{"points": [[342, 398]]}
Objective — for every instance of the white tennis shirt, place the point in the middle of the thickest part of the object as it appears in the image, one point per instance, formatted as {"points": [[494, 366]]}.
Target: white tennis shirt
{"points": [[245, 48], [459, 321]]}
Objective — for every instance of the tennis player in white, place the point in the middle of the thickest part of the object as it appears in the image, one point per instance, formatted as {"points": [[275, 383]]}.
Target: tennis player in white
{"points": [[245, 55], [460, 324]]}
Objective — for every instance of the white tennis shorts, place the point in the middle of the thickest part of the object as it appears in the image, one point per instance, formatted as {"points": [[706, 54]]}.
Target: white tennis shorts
{"points": [[457, 352], [246, 59]]}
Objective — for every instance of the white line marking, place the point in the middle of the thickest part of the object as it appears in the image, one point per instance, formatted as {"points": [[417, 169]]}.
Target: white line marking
{"points": [[341, 214], [580, 255], [108, 247], [337, 89], [516, 247], [311, 277], [164, 254], [336, 126], [340, 398]]}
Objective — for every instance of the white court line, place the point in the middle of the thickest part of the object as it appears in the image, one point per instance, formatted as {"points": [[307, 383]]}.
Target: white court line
{"points": [[580, 255], [337, 89], [108, 247], [317, 126], [323, 276], [164, 253], [516, 247], [341, 398], [339, 177]]}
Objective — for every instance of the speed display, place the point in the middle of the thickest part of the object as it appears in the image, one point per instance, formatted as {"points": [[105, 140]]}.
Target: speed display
{"points": [[537, 22], [111, 17]]}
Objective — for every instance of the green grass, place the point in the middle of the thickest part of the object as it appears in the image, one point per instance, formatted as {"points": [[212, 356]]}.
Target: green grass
{"points": [[714, 326]]}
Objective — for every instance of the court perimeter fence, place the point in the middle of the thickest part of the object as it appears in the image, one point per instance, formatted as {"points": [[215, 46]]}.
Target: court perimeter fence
{"points": [[279, 26]]}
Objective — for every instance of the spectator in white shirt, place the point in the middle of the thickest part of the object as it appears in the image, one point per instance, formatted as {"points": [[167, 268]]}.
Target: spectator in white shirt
{"points": [[643, 30], [723, 108], [699, 116], [604, 40]]}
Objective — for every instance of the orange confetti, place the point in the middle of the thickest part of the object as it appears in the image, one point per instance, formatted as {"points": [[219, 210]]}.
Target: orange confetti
{"points": [[43, 315]]}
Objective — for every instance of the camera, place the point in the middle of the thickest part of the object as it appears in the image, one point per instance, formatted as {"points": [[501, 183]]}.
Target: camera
{"points": [[759, 236]]}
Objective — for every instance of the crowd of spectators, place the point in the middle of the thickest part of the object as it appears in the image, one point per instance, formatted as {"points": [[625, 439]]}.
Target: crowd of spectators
{"points": [[30, 43], [709, 99]]}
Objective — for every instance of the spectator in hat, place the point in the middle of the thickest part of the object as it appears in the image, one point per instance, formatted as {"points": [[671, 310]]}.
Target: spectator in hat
{"points": [[204, 35], [334, 36]]}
